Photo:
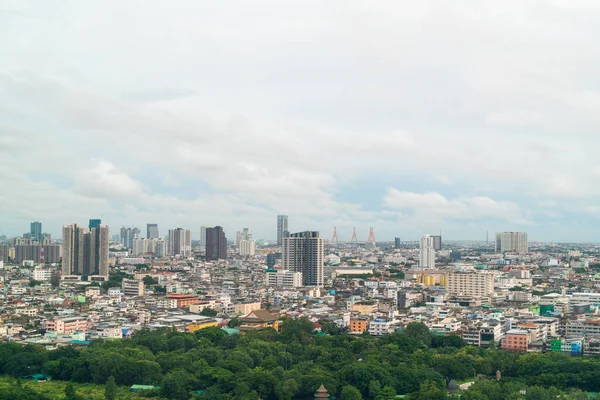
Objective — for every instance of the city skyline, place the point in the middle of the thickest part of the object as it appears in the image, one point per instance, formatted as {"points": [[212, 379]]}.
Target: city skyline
{"points": [[431, 128]]}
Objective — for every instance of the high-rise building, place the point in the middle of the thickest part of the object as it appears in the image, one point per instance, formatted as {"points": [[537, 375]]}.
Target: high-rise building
{"points": [[397, 243], [151, 231], [85, 251], [216, 244], [35, 230], [282, 228], [3, 253], [180, 242], [127, 236], [247, 247], [244, 234], [95, 223], [304, 252], [427, 252], [437, 242], [39, 253], [202, 236], [476, 284], [512, 242]]}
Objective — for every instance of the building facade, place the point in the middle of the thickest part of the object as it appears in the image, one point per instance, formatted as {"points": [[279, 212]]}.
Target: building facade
{"points": [[304, 252], [151, 231], [180, 242], [280, 278], [85, 251], [216, 244], [512, 242], [282, 228], [427, 252], [475, 284]]}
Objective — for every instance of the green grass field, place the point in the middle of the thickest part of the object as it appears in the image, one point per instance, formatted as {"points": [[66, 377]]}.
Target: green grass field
{"points": [[56, 389]]}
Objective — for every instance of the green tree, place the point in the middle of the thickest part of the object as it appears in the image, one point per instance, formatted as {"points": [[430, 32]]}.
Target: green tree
{"points": [[349, 392], [71, 393], [110, 390], [177, 385], [233, 323], [418, 331], [208, 312], [55, 280], [148, 281]]}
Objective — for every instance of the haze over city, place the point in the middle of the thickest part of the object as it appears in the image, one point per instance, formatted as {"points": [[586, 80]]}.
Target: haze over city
{"points": [[409, 117]]}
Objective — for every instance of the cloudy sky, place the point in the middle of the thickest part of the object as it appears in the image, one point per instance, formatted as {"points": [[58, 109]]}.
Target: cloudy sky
{"points": [[410, 116]]}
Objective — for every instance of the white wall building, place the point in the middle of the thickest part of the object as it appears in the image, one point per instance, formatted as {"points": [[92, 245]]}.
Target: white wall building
{"points": [[427, 252], [280, 278], [304, 252]]}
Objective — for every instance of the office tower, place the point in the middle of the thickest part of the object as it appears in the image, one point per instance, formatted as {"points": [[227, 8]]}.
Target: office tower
{"points": [[397, 243], [282, 228], [203, 236], [127, 236], [437, 242], [35, 230], [304, 252], [85, 251], [272, 259], [475, 284], [95, 223], [247, 247], [161, 248], [216, 244], [512, 242], [151, 231], [180, 242], [427, 252]]}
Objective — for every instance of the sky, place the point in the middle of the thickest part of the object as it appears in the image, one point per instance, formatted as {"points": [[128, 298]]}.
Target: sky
{"points": [[410, 117]]}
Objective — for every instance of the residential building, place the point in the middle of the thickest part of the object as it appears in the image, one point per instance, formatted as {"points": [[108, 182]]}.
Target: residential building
{"points": [[3, 253], [282, 228], [42, 274], [180, 242], [512, 242], [587, 327], [516, 340], [281, 278], [132, 287], [359, 325], [427, 252], [247, 248], [85, 251], [244, 234], [304, 252], [474, 284], [67, 325], [151, 231], [38, 253], [380, 327], [216, 244]]}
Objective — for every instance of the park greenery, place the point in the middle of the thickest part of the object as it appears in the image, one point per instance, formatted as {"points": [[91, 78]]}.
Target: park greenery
{"points": [[292, 364]]}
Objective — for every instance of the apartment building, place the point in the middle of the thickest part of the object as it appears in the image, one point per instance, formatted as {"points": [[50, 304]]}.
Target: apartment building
{"points": [[516, 340], [475, 284], [67, 325], [281, 278], [359, 325], [132, 287], [588, 327]]}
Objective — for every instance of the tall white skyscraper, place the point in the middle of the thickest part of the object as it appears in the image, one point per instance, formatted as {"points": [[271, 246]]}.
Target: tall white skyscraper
{"points": [[304, 252], [180, 242], [427, 252], [282, 228], [244, 234], [512, 242]]}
